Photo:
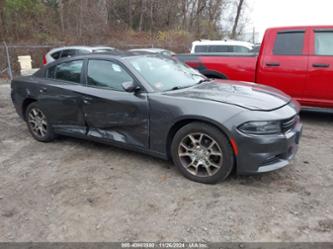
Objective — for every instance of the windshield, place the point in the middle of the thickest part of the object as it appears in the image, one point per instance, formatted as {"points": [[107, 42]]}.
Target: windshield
{"points": [[165, 74]]}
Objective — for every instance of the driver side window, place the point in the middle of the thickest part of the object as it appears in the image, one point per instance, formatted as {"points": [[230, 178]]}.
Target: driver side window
{"points": [[107, 74]]}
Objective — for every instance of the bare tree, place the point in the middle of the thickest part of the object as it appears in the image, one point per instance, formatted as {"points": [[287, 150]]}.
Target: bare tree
{"points": [[151, 17], [201, 4], [61, 15], [185, 6], [237, 17], [142, 14], [130, 15], [2, 17], [214, 16], [100, 21]]}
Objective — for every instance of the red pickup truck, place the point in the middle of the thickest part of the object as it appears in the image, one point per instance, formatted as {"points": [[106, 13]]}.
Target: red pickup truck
{"points": [[296, 60]]}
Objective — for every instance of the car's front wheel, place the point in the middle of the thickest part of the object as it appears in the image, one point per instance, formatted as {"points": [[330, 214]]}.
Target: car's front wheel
{"points": [[202, 153], [38, 124]]}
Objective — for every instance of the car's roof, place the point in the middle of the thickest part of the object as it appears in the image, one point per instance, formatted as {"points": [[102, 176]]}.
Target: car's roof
{"points": [[223, 42], [118, 55], [102, 47], [153, 50], [302, 27], [90, 48]]}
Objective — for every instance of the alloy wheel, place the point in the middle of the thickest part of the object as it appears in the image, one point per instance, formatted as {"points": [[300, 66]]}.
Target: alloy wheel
{"points": [[37, 122], [200, 154]]}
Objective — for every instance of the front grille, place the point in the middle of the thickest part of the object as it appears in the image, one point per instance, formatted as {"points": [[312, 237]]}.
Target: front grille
{"points": [[289, 124]]}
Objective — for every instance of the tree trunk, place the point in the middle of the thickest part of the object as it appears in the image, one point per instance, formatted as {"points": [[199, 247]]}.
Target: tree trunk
{"points": [[2, 17], [130, 15], [80, 19], [238, 14], [184, 10], [151, 20], [142, 13], [200, 7], [61, 15], [102, 10]]}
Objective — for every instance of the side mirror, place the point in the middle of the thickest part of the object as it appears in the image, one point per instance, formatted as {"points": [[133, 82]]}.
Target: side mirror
{"points": [[130, 86]]}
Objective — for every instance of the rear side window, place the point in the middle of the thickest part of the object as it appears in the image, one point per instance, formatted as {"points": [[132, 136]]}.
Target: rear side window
{"points": [[67, 71], [201, 49], [82, 52], [240, 49], [289, 43], [56, 55], [102, 73], [68, 53], [220, 49], [324, 42]]}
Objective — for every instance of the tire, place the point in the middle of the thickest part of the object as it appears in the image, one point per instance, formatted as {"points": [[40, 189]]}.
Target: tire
{"points": [[37, 123], [211, 159]]}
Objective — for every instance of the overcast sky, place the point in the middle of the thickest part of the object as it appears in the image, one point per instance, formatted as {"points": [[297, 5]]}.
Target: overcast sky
{"points": [[272, 13]]}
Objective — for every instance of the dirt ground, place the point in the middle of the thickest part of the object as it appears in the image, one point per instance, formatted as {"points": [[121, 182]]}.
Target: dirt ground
{"points": [[74, 190]]}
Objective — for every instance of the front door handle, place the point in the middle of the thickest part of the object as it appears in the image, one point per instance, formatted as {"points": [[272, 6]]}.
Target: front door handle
{"points": [[321, 65], [87, 100], [273, 64], [43, 90]]}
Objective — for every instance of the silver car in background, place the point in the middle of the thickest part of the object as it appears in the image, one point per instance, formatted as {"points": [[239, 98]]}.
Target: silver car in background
{"points": [[161, 51], [71, 51]]}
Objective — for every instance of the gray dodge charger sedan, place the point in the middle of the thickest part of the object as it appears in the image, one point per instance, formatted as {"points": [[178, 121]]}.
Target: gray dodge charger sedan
{"points": [[159, 106]]}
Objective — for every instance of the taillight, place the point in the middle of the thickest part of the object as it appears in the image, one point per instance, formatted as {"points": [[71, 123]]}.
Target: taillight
{"points": [[44, 60]]}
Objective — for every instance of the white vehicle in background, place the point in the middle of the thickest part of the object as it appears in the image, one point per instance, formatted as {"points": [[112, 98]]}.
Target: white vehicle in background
{"points": [[62, 52], [221, 46]]}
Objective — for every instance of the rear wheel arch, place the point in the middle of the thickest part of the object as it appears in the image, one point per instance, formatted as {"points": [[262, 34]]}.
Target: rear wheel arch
{"points": [[25, 105], [37, 123]]}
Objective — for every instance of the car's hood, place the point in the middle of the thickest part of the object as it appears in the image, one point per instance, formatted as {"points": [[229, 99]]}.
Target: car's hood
{"points": [[247, 95]]}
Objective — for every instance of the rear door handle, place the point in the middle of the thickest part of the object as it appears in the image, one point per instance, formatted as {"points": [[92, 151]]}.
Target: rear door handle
{"points": [[321, 65], [273, 64]]}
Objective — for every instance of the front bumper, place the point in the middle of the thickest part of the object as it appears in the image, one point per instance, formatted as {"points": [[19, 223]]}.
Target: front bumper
{"points": [[265, 153]]}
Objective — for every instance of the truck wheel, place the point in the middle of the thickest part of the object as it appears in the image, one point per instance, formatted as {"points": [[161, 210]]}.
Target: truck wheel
{"points": [[202, 153], [38, 124]]}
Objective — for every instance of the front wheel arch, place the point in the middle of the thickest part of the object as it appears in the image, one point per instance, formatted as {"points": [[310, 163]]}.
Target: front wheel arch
{"points": [[222, 141], [181, 123], [214, 74]]}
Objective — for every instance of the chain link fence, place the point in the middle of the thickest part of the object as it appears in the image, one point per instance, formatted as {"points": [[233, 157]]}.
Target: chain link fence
{"points": [[9, 57], [5, 64]]}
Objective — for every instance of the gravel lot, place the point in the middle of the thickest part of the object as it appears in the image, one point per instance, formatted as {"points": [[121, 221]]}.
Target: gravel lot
{"points": [[74, 190]]}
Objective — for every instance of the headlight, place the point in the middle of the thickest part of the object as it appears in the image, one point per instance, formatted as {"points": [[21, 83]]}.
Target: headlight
{"points": [[261, 127]]}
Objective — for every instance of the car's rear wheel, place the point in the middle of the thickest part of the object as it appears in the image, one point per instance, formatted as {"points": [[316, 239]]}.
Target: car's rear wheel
{"points": [[202, 153], [38, 124]]}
